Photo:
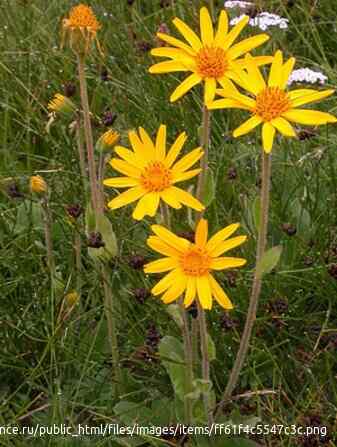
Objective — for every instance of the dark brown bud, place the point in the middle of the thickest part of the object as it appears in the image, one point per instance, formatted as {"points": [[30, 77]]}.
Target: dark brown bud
{"points": [[95, 240], [289, 229], [141, 294], [232, 173], [104, 75], [137, 262], [227, 323], [13, 191], [69, 89], [109, 118], [333, 271], [189, 235], [152, 337], [143, 46], [278, 306], [74, 210]]}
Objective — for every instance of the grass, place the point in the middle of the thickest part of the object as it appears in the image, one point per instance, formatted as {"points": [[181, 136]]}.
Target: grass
{"points": [[65, 377]]}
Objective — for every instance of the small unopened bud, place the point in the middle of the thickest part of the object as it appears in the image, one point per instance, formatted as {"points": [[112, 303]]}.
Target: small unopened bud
{"points": [[289, 229], [71, 299], [37, 185], [137, 262], [109, 118], [74, 211], [95, 240], [141, 294], [107, 141], [13, 191], [61, 104], [69, 89]]}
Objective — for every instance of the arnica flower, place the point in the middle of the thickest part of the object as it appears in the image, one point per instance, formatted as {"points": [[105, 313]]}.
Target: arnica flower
{"points": [[151, 173], [82, 27], [37, 184], [273, 106], [107, 141], [211, 59], [190, 264], [61, 104]]}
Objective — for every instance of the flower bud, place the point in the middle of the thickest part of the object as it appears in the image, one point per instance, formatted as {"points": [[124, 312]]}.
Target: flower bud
{"points": [[107, 141], [37, 185], [61, 104]]}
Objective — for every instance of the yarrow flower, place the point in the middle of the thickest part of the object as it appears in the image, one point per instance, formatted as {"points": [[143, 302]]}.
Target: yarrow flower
{"points": [[274, 107], [151, 173], [82, 27], [264, 20], [238, 4], [108, 140], [190, 264], [61, 104], [211, 59], [307, 75]]}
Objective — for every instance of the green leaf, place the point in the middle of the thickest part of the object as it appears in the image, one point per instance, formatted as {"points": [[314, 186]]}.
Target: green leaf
{"points": [[211, 348], [130, 412], [29, 214], [172, 354], [89, 218], [269, 260], [209, 190], [174, 311]]}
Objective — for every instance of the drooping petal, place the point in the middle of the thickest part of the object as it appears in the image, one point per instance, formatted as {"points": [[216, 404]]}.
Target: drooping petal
{"points": [[188, 34], [175, 149], [161, 265], [175, 291], [165, 283], [187, 199], [161, 247], [268, 134], [284, 127], [210, 88], [191, 291], [172, 53], [247, 126], [126, 197], [125, 168], [161, 143], [204, 292], [170, 238], [227, 263], [234, 32], [222, 29], [275, 74], [188, 160], [130, 157], [176, 43], [221, 235], [219, 293], [201, 233], [246, 45], [168, 67], [223, 246], [147, 206], [169, 197], [185, 86], [316, 96], [121, 182], [206, 27], [309, 117], [180, 177]]}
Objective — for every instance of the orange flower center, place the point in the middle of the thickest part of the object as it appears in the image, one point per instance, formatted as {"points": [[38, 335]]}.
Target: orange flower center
{"points": [[195, 262], [156, 177], [211, 62], [82, 16], [271, 103]]}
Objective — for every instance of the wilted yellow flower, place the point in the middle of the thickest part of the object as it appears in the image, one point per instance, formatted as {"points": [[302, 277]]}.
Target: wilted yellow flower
{"points": [[151, 173], [190, 264], [37, 184], [71, 299], [61, 104], [82, 27], [108, 140], [271, 104], [211, 58]]}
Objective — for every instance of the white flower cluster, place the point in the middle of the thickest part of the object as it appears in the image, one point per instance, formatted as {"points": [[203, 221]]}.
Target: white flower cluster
{"points": [[307, 75], [237, 4], [264, 20]]}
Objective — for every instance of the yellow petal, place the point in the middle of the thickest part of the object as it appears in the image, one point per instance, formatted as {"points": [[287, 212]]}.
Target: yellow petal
{"points": [[147, 206], [170, 238], [221, 235], [275, 75], [241, 78], [188, 160], [175, 291], [255, 76], [185, 86], [162, 247], [169, 197], [188, 34], [309, 117], [204, 292], [126, 197], [165, 283], [223, 246], [246, 45], [121, 182], [187, 199], [226, 104], [172, 53], [284, 127], [161, 265], [286, 71], [227, 263], [180, 177], [247, 126], [222, 29], [147, 144], [294, 94], [136, 143], [313, 97], [201, 233], [234, 32], [210, 87], [167, 67], [176, 43], [175, 149], [206, 27], [130, 157], [125, 168], [191, 290], [268, 134], [228, 87], [161, 143], [219, 294]]}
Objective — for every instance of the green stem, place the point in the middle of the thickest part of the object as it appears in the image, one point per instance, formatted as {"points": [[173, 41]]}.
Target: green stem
{"points": [[257, 283], [48, 237], [204, 141], [81, 153]]}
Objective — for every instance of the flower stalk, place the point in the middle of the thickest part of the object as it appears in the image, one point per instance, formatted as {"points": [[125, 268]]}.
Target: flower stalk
{"points": [[257, 283]]}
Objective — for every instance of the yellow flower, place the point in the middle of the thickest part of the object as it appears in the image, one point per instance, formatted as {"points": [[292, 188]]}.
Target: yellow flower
{"points": [[82, 26], [190, 264], [151, 173], [108, 140], [211, 59], [71, 299], [37, 184], [61, 104], [273, 106]]}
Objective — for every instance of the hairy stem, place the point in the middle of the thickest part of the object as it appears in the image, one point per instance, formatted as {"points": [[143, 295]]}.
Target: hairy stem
{"points": [[257, 283]]}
